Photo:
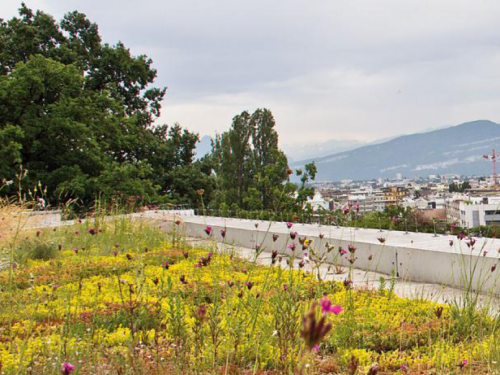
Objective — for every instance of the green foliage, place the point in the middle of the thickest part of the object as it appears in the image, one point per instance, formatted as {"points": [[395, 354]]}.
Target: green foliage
{"points": [[252, 172], [35, 248], [78, 115], [460, 188]]}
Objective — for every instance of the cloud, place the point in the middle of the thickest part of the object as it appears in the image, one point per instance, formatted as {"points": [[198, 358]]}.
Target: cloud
{"points": [[327, 69]]}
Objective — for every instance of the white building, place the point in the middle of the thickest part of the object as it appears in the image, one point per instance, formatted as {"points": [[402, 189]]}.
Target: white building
{"points": [[472, 212], [364, 202], [318, 202]]}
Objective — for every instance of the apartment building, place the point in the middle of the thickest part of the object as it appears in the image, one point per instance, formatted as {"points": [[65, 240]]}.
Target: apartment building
{"points": [[473, 211]]}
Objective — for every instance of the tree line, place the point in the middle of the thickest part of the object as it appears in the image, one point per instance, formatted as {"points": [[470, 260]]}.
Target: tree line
{"points": [[79, 117]]}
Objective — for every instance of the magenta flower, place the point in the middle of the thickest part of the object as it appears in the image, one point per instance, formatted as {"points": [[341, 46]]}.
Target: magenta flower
{"points": [[451, 243], [327, 307], [166, 265], [342, 251], [293, 235], [208, 230], [249, 284], [289, 225], [351, 248], [316, 348], [275, 237], [347, 284], [321, 236], [67, 368], [345, 210], [291, 246], [222, 233], [471, 242], [463, 363]]}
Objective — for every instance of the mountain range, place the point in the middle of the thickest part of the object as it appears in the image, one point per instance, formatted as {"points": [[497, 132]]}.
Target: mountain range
{"points": [[456, 150]]}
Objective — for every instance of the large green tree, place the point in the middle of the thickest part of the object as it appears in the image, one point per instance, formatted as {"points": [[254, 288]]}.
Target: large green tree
{"points": [[79, 114]]}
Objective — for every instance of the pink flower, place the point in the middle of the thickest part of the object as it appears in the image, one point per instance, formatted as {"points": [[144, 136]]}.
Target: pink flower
{"points": [[326, 307], [291, 246], [289, 225], [316, 348], [67, 368], [465, 362], [208, 230], [451, 243], [345, 210]]}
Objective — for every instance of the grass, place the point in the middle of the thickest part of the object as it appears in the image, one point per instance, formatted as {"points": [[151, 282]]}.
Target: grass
{"points": [[122, 296]]}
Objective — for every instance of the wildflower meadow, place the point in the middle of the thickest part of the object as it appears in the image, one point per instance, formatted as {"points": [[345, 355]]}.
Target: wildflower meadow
{"points": [[132, 296]]}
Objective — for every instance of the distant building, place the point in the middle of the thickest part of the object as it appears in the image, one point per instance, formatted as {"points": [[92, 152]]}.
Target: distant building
{"points": [[394, 195], [365, 203], [318, 202], [473, 211]]}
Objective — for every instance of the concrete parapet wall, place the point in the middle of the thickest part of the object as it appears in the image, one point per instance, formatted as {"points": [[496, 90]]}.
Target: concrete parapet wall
{"points": [[414, 257]]}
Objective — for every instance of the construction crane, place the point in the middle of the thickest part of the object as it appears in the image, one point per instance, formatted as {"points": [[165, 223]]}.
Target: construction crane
{"points": [[493, 158]]}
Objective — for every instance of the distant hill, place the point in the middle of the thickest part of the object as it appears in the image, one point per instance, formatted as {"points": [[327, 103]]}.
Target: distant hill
{"points": [[331, 146], [457, 149]]}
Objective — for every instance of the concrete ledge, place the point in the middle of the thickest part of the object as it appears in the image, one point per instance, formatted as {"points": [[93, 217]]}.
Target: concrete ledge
{"points": [[419, 257]]}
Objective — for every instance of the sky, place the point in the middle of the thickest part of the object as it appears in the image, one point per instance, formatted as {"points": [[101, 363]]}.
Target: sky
{"points": [[327, 69]]}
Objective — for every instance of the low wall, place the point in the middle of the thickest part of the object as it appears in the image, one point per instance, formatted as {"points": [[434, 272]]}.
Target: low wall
{"points": [[455, 265]]}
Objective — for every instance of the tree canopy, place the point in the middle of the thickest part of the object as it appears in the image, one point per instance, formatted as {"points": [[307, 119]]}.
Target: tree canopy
{"points": [[251, 171], [78, 114]]}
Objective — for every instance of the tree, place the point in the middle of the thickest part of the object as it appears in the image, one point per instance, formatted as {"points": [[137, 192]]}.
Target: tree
{"points": [[79, 115], [252, 173]]}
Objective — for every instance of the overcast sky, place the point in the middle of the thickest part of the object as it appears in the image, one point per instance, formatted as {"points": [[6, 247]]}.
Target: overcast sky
{"points": [[327, 69]]}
